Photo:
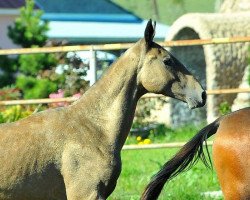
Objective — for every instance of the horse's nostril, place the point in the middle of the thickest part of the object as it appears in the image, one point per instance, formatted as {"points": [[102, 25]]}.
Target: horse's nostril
{"points": [[204, 96]]}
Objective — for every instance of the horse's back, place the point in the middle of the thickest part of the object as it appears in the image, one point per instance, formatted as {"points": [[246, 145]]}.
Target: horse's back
{"points": [[231, 154]]}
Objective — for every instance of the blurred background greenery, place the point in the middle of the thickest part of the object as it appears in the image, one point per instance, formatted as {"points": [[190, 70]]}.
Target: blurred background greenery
{"points": [[168, 11]]}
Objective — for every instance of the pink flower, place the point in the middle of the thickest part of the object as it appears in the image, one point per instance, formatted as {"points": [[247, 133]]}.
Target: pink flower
{"points": [[77, 95], [59, 94]]}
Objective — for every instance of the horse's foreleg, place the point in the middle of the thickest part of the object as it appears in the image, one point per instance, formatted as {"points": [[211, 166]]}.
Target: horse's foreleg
{"points": [[81, 176], [76, 195], [81, 185]]}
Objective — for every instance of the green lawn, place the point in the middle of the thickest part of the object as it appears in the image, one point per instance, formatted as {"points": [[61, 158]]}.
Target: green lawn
{"points": [[140, 165]]}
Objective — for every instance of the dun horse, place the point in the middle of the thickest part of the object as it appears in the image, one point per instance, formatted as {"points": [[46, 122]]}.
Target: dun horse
{"points": [[74, 152], [231, 157]]}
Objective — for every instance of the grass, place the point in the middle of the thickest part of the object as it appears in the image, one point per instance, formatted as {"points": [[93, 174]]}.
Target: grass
{"points": [[164, 134], [140, 165]]}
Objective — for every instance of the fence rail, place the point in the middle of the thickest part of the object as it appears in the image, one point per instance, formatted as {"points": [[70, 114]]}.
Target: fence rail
{"points": [[119, 46], [72, 99], [158, 146]]}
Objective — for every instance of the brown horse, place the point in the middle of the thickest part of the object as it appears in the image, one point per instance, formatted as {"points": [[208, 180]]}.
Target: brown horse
{"points": [[74, 152], [231, 157]]}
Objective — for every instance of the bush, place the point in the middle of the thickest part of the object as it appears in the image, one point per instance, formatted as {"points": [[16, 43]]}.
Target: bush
{"points": [[30, 65], [9, 93], [143, 112], [35, 88], [13, 113], [7, 68], [30, 31], [38, 71], [224, 108]]}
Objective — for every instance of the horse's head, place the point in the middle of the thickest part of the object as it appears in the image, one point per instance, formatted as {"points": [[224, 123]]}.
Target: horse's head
{"points": [[162, 73]]}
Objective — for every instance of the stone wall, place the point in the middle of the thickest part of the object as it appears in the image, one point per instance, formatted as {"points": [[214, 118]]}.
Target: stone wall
{"points": [[230, 6], [243, 99]]}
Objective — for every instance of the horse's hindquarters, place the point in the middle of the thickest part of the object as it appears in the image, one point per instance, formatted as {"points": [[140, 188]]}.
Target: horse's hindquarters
{"points": [[231, 157]]}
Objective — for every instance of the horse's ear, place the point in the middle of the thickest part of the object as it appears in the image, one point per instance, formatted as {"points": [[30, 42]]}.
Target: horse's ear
{"points": [[149, 33]]}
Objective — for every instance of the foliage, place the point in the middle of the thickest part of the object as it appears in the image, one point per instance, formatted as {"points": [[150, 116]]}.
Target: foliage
{"points": [[36, 72], [163, 134], [143, 112], [224, 108], [37, 78], [74, 71], [14, 113], [7, 68], [31, 65], [28, 29], [9, 93], [35, 88], [144, 122]]}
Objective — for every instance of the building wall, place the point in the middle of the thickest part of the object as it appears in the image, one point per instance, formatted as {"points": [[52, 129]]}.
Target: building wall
{"points": [[5, 21]]}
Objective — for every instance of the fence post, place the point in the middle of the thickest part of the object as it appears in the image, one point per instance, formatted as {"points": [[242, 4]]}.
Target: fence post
{"points": [[92, 67]]}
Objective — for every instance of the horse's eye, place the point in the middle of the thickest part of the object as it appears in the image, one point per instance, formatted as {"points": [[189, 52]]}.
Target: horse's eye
{"points": [[168, 61]]}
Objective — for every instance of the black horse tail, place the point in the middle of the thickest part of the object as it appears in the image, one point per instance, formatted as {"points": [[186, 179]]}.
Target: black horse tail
{"points": [[187, 156]]}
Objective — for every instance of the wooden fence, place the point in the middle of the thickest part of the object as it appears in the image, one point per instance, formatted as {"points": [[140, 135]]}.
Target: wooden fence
{"points": [[120, 46], [94, 48], [72, 99], [158, 146]]}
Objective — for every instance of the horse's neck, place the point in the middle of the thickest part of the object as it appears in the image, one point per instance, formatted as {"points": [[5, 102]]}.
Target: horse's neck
{"points": [[110, 104]]}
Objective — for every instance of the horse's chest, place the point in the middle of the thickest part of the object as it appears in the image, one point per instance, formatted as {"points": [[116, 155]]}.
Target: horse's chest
{"points": [[93, 167]]}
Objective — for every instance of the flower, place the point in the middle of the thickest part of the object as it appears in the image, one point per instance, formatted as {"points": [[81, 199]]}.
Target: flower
{"points": [[138, 138], [77, 95], [147, 141]]}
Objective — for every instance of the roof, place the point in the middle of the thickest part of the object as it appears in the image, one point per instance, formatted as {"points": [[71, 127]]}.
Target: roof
{"points": [[12, 4], [88, 21], [75, 10], [85, 10], [80, 6]]}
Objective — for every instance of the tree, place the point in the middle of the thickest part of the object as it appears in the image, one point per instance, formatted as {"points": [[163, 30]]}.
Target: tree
{"points": [[37, 76], [28, 29], [7, 69]]}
